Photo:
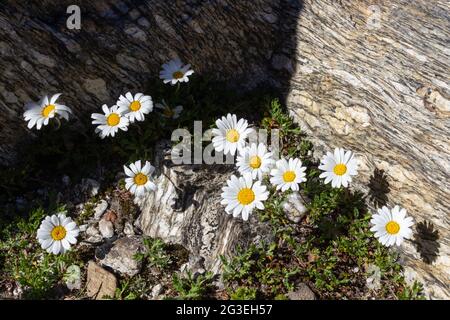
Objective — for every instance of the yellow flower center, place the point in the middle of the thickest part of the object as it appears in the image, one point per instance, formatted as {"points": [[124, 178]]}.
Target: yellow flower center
{"points": [[178, 75], [140, 179], [58, 233], [232, 136], [340, 169], [168, 112], [392, 227], [246, 196], [113, 119], [48, 109], [289, 176], [255, 162], [135, 106]]}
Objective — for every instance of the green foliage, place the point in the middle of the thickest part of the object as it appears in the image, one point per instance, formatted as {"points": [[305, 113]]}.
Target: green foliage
{"points": [[155, 254], [415, 292], [243, 293], [191, 287], [265, 265]]}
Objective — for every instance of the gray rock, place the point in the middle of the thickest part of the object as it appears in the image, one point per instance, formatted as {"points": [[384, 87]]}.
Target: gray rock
{"points": [[121, 256], [83, 227], [106, 228], [100, 209], [65, 180], [92, 231], [301, 292], [128, 229], [185, 209], [100, 283], [294, 207], [90, 186], [157, 290]]}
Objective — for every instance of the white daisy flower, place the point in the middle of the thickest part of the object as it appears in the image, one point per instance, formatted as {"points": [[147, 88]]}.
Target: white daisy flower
{"points": [[57, 233], [111, 121], [255, 159], [174, 71], [169, 112], [338, 167], [40, 113], [288, 174], [137, 107], [242, 195], [391, 226], [138, 181], [230, 134]]}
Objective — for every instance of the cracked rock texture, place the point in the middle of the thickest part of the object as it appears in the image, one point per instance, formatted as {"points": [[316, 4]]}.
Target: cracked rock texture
{"points": [[121, 45], [374, 78]]}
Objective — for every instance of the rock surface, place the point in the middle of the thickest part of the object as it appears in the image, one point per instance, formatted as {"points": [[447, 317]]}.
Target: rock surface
{"points": [[114, 51], [120, 257], [301, 292], [186, 210], [100, 283], [106, 228], [295, 207]]}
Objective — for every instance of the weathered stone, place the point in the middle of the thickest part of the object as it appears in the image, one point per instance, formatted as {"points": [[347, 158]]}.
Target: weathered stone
{"points": [[301, 292], [106, 228], [90, 186], [368, 79], [93, 235], [294, 207], [100, 283], [121, 256], [186, 210], [72, 277]]}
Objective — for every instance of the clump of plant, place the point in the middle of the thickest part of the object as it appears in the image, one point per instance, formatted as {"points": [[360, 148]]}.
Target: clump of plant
{"points": [[155, 254]]}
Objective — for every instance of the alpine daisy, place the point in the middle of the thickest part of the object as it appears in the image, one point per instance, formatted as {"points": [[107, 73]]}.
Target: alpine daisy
{"points": [[242, 195], [174, 71], [56, 233], [391, 226], [230, 134], [255, 159], [40, 113], [338, 167], [169, 112], [137, 106], [111, 121], [288, 174], [138, 180]]}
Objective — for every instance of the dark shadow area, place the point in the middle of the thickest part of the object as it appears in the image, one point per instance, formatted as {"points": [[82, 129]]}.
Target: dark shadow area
{"points": [[426, 241], [378, 188]]}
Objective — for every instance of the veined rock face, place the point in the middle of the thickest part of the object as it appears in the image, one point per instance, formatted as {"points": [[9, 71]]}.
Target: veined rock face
{"points": [[186, 210], [375, 79], [371, 76]]}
